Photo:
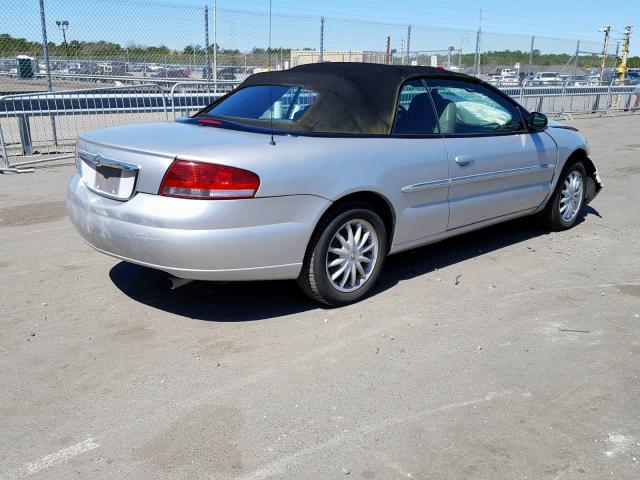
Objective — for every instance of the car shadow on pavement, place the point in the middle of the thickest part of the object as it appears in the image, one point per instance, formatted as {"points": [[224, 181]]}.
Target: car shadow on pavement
{"points": [[420, 261], [212, 301], [248, 301]]}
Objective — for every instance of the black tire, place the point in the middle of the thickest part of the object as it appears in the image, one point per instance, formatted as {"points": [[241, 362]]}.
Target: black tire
{"points": [[314, 279], [551, 214]]}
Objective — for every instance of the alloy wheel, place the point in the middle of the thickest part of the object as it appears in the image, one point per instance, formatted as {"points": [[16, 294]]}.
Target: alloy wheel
{"points": [[352, 255], [571, 196]]}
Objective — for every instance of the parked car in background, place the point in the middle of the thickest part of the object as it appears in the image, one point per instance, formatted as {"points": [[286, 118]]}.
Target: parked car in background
{"points": [[633, 77], [320, 172], [500, 81], [226, 73], [172, 73], [505, 77], [546, 78], [579, 80]]}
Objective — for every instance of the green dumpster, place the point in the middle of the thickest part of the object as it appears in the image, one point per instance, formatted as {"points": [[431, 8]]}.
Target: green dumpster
{"points": [[24, 66]]}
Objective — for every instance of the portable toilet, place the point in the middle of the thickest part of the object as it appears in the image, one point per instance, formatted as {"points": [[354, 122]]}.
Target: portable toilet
{"points": [[24, 67]]}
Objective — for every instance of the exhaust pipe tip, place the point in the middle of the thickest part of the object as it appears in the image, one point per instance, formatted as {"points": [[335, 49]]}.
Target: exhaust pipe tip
{"points": [[177, 282]]}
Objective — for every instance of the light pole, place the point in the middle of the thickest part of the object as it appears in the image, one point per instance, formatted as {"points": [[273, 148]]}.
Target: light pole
{"points": [[607, 31], [450, 51], [64, 25]]}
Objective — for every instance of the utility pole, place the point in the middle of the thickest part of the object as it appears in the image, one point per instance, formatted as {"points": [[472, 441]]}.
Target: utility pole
{"points": [[607, 31], [45, 48], [622, 69], [575, 67], [478, 36], [321, 59], [533, 41], [387, 57], [402, 51], [64, 25], [409, 44], [215, 47], [207, 65]]}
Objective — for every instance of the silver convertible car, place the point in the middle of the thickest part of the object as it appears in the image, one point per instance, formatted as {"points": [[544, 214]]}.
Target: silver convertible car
{"points": [[319, 172]]}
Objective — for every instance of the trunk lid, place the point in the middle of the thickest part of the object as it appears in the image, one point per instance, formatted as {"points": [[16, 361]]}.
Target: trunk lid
{"points": [[148, 150]]}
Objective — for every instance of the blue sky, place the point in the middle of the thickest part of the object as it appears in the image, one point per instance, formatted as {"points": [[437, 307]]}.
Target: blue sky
{"points": [[176, 23]]}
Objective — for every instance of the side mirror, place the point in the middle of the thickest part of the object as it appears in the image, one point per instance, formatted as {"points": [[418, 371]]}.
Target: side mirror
{"points": [[537, 121]]}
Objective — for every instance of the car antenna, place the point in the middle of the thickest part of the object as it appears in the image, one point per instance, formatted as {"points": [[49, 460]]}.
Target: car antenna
{"points": [[272, 142]]}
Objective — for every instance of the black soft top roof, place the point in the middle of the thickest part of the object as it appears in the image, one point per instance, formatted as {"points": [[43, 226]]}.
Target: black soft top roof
{"points": [[355, 98]]}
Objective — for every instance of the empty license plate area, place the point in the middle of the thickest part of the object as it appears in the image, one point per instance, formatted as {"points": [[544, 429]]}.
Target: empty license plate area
{"points": [[107, 177]]}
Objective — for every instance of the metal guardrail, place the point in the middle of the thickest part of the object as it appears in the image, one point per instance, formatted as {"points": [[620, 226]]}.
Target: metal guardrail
{"points": [[40, 127], [566, 100], [186, 98], [167, 81]]}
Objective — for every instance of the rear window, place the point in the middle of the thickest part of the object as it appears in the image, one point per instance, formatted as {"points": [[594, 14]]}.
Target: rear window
{"points": [[285, 104]]}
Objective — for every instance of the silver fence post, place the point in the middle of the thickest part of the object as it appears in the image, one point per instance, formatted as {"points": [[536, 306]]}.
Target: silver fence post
{"points": [[478, 52], [173, 98], [563, 98], [45, 48], [164, 102], [533, 40], [321, 58], [215, 47], [5, 155], [207, 67], [409, 44], [478, 39]]}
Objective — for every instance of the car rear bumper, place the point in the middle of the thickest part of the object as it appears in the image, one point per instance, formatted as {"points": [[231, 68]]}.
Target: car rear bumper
{"points": [[252, 239]]}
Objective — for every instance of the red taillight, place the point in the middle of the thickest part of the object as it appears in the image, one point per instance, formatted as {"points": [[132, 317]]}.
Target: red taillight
{"points": [[186, 179]]}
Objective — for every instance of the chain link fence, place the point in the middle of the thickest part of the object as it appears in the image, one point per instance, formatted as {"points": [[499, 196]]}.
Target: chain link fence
{"points": [[121, 61], [125, 41]]}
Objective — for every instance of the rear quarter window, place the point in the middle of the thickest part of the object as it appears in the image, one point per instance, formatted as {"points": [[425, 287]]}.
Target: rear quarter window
{"points": [[263, 102]]}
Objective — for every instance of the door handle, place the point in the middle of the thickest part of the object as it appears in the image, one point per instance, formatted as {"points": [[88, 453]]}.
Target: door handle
{"points": [[464, 160]]}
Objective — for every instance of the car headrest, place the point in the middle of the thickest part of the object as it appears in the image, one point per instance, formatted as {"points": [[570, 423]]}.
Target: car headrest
{"points": [[420, 107], [447, 118]]}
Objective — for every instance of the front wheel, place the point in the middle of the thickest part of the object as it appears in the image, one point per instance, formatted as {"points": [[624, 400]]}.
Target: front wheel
{"points": [[563, 208], [345, 255]]}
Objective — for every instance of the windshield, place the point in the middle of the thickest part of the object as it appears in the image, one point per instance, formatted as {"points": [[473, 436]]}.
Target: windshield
{"points": [[261, 103]]}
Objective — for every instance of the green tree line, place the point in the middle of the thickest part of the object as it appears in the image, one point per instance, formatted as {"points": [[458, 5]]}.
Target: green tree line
{"points": [[103, 50]]}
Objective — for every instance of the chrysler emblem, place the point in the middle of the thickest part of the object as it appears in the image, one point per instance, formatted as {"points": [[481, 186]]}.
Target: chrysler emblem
{"points": [[97, 160]]}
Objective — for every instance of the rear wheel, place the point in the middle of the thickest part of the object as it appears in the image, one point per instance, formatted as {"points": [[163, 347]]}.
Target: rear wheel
{"points": [[563, 208], [345, 255]]}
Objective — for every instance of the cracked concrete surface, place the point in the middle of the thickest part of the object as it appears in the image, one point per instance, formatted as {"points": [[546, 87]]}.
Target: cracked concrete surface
{"points": [[503, 354]]}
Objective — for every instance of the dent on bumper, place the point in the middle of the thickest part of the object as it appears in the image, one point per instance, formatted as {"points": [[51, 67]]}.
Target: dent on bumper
{"points": [[254, 239]]}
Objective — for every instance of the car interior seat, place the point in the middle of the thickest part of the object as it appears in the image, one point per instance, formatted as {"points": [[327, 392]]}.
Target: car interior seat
{"points": [[419, 118], [447, 112]]}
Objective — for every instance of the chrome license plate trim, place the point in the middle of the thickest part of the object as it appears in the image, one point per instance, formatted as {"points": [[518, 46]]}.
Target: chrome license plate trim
{"points": [[96, 161]]}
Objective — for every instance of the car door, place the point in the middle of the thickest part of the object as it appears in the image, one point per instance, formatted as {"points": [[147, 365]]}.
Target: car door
{"points": [[419, 173], [497, 166]]}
